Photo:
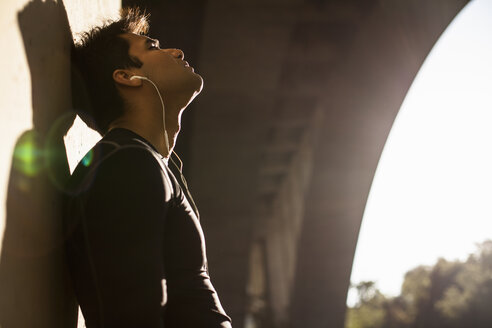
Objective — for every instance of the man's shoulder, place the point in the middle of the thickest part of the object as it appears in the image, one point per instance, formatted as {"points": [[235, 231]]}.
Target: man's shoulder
{"points": [[113, 158]]}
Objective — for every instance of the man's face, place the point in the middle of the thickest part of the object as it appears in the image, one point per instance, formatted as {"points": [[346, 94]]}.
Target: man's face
{"points": [[165, 67]]}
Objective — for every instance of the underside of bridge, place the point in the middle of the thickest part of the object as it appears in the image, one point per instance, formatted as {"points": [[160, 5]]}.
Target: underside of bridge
{"points": [[281, 147]]}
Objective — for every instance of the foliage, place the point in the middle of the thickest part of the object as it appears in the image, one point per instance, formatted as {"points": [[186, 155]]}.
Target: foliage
{"points": [[450, 294], [369, 312]]}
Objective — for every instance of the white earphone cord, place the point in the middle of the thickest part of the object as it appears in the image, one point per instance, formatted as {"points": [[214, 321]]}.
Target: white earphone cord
{"points": [[180, 167], [166, 138]]}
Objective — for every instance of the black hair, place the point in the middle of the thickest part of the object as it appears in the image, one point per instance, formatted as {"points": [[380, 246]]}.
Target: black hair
{"points": [[101, 51]]}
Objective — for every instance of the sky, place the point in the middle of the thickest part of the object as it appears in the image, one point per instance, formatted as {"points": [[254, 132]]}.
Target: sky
{"points": [[432, 193]]}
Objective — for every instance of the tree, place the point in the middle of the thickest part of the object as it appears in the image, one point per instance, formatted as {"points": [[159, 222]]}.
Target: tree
{"points": [[449, 294], [369, 310], [469, 300]]}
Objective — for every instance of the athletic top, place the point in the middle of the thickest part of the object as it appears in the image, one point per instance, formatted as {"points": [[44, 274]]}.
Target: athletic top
{"points": [[135, 247]]}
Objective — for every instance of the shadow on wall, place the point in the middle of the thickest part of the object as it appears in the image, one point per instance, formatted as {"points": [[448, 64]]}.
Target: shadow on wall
{"points": [[33, 283]]}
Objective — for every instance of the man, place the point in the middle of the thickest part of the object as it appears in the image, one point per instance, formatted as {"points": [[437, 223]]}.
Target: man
{"points": [[135, 247]]}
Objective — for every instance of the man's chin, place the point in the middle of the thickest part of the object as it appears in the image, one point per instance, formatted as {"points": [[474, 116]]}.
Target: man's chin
{"points": [[199, 83], [194, 86], [197, 88]]}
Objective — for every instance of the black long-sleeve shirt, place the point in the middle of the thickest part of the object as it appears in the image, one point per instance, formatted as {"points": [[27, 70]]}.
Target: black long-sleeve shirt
{"points": [[129, 226]]}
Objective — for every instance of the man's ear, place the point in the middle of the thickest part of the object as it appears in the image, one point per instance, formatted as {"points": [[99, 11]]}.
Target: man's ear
{"points": [[123, 78]]}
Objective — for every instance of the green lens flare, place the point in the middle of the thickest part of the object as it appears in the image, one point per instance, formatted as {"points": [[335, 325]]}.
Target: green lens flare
{"points": [[87, 160], [28, 155]]}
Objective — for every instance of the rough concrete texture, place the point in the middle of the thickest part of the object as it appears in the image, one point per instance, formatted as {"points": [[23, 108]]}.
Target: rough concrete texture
{"points": [[35, 115]]}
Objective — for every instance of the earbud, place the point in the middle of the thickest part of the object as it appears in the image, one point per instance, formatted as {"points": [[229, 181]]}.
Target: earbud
{"points": [[139, 77]]}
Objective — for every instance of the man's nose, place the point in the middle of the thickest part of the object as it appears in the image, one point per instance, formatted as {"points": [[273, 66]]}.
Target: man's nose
{"points": [[178, 53]]}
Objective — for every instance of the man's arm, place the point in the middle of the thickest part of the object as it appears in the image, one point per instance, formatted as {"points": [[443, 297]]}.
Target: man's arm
{"points": [[124, 229]]}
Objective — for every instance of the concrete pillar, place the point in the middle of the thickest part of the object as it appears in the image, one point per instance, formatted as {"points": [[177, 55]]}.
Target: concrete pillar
{"points": [[36, 113]]}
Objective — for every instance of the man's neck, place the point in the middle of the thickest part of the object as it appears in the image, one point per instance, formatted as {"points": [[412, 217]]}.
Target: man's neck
{"points": [[143, 115]]}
